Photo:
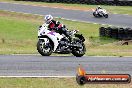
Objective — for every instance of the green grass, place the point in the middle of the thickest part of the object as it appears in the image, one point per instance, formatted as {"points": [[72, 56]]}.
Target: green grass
{"points": [[18, 35], [110, 9], [52, 83]]}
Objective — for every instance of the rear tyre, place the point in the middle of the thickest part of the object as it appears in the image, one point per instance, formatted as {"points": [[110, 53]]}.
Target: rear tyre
{"points": [[106, 15], [44, 50], [79, 52]]}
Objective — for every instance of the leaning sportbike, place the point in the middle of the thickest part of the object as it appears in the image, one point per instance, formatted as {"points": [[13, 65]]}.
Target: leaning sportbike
{"points": [[100, 13], [49, 41]]}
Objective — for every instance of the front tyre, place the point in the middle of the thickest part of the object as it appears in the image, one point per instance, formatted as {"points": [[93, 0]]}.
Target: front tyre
{"points": [[94, 14], [80, 51], [44, 49]]}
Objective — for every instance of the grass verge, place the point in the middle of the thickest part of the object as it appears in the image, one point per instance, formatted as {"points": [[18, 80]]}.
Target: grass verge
{"points": [[18, 35], [52, 83], [110, 9]]}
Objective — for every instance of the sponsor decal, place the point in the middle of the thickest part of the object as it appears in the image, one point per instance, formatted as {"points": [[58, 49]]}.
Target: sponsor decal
{"points": [[82, 77], [52, 33]]}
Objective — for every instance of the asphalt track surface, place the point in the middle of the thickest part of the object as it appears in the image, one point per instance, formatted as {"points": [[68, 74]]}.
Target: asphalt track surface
{"points": [[36, 65], [114, 19]]}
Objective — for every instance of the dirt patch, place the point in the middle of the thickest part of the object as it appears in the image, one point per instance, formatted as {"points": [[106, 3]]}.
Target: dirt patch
{"points": [[15, 15], [18, 15], [61, 6], [65, 7]]}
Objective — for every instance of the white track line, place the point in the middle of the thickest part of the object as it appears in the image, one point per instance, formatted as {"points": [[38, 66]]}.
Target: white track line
{"points": [[40, 55], [65, 18], [23, 54], [22, 12], [59, 17], [37, 76]]}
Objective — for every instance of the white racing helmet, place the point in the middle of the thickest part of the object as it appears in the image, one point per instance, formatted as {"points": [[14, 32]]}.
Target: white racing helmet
{"points": [[48, 19], [99, 7]]}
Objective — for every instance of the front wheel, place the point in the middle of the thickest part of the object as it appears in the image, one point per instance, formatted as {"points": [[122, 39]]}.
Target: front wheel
{"points": [[94, 14], [80, 51], [45, 49]]}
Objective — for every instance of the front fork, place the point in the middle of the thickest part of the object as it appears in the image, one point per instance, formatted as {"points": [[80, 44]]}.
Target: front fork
{"points": [[45, 41]]}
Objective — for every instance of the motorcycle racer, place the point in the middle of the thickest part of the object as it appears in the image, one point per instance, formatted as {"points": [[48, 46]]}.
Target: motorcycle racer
{"points": [[57, 26], [100, 12], [97, 9]]}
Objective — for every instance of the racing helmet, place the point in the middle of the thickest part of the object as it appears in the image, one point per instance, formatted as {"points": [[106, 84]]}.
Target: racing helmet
{"points": [[99, 7], [48, 19]]}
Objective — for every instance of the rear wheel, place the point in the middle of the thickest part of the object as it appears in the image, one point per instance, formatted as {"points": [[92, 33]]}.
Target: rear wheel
{"points": [[80, 51], [45, 49], [106, 15]]}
